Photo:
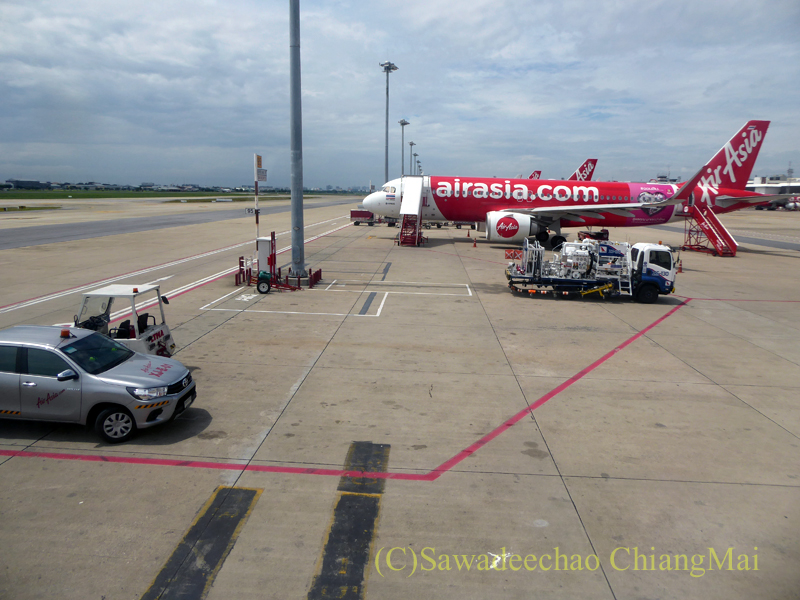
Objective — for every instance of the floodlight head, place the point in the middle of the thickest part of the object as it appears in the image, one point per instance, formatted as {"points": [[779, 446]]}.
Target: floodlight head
{"points": [[388, 66], [403, 122]]}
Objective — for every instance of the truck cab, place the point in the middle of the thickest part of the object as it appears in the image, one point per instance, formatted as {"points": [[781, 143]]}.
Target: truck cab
{"points": [[653, 271]]}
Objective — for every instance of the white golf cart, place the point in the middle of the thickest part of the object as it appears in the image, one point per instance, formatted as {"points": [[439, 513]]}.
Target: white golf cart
{"points": [[140, 332]]}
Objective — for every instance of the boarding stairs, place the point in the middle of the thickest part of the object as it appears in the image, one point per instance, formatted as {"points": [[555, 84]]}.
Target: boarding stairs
{"points": [[706, 233], [411, 213]]}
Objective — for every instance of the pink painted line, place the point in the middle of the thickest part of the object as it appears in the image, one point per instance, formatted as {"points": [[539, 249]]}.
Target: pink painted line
{"points": [[449, 464], [99, 281], [431, 476], [196, 464], [227, 273], [741, 300]]}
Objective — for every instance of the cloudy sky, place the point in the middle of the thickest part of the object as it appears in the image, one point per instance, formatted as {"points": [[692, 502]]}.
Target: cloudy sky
{"points": [[185, 92]]}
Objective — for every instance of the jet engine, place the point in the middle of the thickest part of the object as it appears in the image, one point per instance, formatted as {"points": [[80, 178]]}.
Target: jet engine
{"points": [[509, 227]]}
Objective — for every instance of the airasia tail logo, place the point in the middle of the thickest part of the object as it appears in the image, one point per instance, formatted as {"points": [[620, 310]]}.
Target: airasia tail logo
{"points": [[586, 172], [733, 163], [507, 227]]}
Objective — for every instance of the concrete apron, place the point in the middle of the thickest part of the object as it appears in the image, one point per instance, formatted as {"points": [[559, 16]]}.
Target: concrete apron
{"points": [[679, 441]]}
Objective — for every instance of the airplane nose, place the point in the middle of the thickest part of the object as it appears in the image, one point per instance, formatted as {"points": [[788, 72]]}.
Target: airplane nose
{"points": [[371, 202]]}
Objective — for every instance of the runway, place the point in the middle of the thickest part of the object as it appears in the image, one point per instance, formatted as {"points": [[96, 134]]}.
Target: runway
{"points": [[38, 235]]}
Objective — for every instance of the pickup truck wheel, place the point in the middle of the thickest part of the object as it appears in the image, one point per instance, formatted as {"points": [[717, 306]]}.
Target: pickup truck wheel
{"points": [[647, 294], [264, 287], [115, 425]]}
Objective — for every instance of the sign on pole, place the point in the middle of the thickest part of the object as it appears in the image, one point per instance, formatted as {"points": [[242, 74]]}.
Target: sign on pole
{"points": [[259, 174]]}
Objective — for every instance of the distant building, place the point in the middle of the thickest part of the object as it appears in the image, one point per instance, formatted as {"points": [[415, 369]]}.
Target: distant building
{"points": [[776, 184], [21, 184]]}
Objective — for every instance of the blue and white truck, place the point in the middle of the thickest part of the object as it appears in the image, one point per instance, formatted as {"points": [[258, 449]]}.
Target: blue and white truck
{"points": [[643, 271]]}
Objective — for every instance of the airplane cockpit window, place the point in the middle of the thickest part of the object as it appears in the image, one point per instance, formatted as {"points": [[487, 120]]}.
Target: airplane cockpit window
{"points": [[388, 189]]}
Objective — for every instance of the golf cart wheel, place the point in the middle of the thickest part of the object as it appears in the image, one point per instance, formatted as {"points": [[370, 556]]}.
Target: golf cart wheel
{"points": [[115, 425], [264, 287]]}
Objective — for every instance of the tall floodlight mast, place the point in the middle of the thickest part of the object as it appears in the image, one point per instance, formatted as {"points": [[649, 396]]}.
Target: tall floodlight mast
{"points": [[411, 157], [388, 67], [403, 124], [298, 267]]}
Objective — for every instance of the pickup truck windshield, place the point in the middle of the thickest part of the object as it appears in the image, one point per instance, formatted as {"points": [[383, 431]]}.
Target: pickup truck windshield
{"points": [[96, 353]]}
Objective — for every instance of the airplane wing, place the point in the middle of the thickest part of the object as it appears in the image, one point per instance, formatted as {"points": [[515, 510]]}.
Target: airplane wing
{"points": [[726, 202], [576, 213]]}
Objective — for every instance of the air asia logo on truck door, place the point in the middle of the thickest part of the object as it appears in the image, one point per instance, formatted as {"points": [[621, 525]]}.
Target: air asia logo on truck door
{"points": [[507, 227]]}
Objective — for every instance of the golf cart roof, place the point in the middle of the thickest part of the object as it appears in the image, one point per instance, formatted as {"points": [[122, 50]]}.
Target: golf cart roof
{"points": [[122, 291]]}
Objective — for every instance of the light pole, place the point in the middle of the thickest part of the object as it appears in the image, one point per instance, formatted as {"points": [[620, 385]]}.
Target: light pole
{"points": [[415, 161], [388, 67], [410, 159], [298, 267], [403, 124]]}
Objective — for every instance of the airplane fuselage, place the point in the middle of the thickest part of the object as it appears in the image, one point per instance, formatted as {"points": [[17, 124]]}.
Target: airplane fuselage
{"points": [[469, 199]]}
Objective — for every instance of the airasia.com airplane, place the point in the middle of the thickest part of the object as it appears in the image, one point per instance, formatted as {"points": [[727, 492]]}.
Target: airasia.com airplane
{"points": [[514, 209]]}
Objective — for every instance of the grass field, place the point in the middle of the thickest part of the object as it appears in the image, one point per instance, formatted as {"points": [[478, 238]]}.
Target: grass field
{"points": [[99, 194]]}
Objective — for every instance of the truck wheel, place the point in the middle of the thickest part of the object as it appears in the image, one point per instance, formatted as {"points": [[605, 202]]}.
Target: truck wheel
{"points": [[115, 425], [647, 294], [264, 287], [370, 223], [356, 223]]}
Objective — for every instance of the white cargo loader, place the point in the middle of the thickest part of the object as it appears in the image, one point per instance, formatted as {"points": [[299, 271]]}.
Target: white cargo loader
{"points": [[642, 271]]}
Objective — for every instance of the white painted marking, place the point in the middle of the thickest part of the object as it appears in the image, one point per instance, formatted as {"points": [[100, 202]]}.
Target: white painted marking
{"points": [[98, 284], [293, 312], [540, 523], [246, 297], [380, 308], [223, 297], [160, 279]]}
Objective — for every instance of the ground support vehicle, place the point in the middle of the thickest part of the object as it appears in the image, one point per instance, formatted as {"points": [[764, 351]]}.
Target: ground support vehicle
{"points": [[74, 375], [142, 332], [643, 271], [364, 216], [601, 235]]}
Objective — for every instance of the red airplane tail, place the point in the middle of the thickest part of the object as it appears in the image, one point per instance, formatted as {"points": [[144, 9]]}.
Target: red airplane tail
{"points": [[585, 171], [535, 175], [732, 165]]}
